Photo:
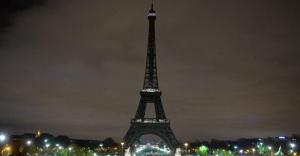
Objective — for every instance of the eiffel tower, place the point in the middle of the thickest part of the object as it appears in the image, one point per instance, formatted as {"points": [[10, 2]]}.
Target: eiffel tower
{"points": [[150, 94]]}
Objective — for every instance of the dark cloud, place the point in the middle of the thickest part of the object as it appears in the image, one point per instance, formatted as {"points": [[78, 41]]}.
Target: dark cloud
{"points": [[227, 69]]}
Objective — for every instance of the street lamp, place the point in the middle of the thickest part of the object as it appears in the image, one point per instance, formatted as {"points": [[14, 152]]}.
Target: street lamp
{"points": [[270, 148], [253, 150], [122, 145], [186, 147], [69, 150], [28, 142]]}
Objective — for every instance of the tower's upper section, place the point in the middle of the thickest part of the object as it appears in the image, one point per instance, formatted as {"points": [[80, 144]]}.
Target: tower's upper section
{"points": [[150, 80], [151, 12]]}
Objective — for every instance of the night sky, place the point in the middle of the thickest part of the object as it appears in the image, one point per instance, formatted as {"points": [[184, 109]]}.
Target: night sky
{"points": [[227, 69]]}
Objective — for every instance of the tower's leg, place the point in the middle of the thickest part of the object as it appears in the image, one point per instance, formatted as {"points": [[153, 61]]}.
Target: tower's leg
{"points": [[140, 113]]}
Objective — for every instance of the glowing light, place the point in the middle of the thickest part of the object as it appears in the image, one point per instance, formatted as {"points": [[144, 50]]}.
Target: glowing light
{"points": [[295, 154], [241, 151], [28, 142], [47, 145], [2, 138], [141, 148], [282, 137], [186, 144], [46, 140], [293, 145], [270, 147], [150, 90], [7, 148], [38, 134], [70, 148], [151, 14], [235, 147], [253, 150]]}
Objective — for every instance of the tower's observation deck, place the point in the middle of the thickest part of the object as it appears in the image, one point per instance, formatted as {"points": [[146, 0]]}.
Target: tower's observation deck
{"points": [[150, 120]]}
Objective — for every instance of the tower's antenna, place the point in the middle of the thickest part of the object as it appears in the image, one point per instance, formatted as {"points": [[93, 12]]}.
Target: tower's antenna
{"points": [[152, 5]]}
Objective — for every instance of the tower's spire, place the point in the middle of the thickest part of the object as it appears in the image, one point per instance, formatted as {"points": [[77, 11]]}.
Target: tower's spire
{"points": [[152, 5], [151, 81]]}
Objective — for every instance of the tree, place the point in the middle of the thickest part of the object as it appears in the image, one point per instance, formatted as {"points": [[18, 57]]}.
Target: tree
{"points": [[203, 150]]}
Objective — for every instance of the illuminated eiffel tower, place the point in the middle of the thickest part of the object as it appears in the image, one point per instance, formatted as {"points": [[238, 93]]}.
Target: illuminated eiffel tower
{"points": [[150, 94]]}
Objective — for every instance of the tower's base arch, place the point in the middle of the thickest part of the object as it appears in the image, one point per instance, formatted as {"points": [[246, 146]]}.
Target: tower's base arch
{"points": [[160, 129]]}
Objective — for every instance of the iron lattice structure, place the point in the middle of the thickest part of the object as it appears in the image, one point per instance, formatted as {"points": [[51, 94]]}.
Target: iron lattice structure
{"points": [[150, 94]]}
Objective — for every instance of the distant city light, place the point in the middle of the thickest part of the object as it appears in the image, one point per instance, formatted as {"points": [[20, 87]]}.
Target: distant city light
{"points": [[281, 137], [293, 145], [38, 134], [256, 147], [2, 138], [295, 154], [28, 142], [7, 148], [270, 147], [241, 151]]}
